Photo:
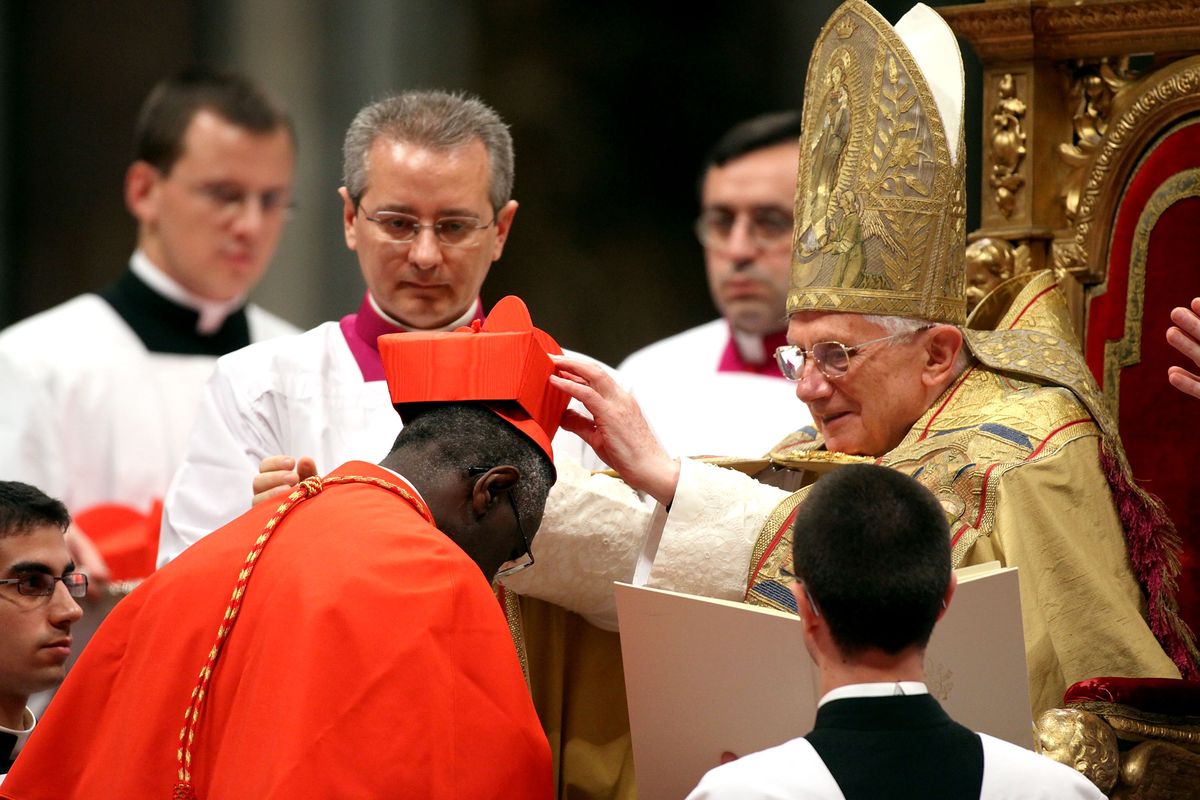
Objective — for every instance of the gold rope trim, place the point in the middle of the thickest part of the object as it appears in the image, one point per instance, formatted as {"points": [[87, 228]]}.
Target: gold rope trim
{"points": [[191, 717]]}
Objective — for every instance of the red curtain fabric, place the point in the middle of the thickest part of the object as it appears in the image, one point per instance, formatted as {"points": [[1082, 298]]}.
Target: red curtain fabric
{"points": [[1155, 420]]}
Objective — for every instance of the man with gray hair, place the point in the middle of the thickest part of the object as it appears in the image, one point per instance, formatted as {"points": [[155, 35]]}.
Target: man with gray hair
{"points": [[427, 206]]}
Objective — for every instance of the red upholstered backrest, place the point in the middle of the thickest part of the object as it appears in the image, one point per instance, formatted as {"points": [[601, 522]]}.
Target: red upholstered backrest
{"points": [[1156, 422]]}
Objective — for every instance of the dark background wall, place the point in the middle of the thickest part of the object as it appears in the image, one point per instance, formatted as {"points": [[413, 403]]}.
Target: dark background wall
{"points": [[612, 107]]}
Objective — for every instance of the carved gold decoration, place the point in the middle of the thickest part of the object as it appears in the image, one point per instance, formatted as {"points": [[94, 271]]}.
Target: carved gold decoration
{"points": [[1080, 740], [990, 262], [1152, 104], [1158, 771], [1063, 29], [1093, 90], [1008, 145], [1127, 351]]}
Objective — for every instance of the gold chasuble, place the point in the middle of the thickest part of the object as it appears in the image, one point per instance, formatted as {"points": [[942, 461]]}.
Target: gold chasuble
{"points": [[1021, 465], [1020, 448], [578, 686]]}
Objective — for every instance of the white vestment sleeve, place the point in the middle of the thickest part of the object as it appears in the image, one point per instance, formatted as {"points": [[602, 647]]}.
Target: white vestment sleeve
{"points": [[710, 533], [590, 536], [31, 448], [213, 483]]}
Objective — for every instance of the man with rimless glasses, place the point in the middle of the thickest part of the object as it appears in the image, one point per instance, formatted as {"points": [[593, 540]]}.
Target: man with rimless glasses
{"points": [[427, 208], [696, 387], [38, 589]]}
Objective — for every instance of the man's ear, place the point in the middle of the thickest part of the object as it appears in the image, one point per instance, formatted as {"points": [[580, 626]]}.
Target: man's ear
{"points": [[808, 615], [949, 594], [141, 191], [941, 352], [349, 212], [490, 487], [504, 221]]}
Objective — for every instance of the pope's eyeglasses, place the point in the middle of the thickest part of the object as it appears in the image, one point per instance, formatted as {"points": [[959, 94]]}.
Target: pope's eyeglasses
{"points": [[832, 358]]}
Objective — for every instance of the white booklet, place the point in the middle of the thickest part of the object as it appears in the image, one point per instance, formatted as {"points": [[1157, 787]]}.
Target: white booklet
{"points": [[706, 676]]}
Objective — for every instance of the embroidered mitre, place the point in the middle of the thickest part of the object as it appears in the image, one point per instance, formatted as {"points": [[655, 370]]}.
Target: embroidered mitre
{"points": [[880, 208]]}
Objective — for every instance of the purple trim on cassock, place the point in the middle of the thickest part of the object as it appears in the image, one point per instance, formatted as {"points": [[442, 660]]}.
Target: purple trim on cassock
{"points": [[732, 361], [362, 331]]}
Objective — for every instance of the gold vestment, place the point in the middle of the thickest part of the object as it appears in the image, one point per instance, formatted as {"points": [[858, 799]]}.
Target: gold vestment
{"points": [[1017, 464]]}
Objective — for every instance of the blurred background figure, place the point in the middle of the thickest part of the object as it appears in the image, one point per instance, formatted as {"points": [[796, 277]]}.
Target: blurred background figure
{"points": [[121, 370], [697, 388]]}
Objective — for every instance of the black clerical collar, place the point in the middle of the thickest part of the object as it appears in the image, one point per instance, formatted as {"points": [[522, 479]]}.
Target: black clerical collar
{"points": [[7, 742], [164, 326]]}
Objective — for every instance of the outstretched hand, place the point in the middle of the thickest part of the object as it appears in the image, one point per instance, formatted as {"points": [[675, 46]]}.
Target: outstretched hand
{"points": [[1185, 338], [616, 428], [278, 474]]}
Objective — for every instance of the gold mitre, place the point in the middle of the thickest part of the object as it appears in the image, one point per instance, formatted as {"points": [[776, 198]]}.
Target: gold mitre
{"points": [[880, 209]]}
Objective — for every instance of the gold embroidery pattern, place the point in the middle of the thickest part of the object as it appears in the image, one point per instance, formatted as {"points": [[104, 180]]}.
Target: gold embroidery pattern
{"points": [[1128, 350], [1153, 102], [880, 212]]}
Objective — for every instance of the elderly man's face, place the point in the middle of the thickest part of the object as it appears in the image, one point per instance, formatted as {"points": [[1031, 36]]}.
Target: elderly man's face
{"points": [[870, 409], [213, 221], [425, 283], [35, 632], [748, 203]]}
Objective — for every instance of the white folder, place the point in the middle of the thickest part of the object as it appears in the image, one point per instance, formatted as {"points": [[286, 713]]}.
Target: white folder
{"points": [[706, 676]]}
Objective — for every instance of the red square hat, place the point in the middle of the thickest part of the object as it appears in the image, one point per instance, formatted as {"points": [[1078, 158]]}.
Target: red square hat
{"points": [[503, 364]]}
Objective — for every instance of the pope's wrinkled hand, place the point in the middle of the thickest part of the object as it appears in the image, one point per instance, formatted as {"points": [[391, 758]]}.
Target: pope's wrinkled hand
{"points": [[278, 474], [1185, 338], [616, 429]]}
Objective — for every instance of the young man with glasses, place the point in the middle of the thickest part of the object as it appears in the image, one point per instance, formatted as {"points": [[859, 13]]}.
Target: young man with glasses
{"points": [[345, 641], [38, 589], [122, 370], [698, 388]]}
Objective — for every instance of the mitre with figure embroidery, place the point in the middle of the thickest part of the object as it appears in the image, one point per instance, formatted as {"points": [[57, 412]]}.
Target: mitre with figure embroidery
{"points": [[880, 211]]}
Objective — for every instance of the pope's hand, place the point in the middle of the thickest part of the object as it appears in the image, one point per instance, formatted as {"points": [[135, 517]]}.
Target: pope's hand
{"points": [[1186, 339], [278, 474], [616, 429]]}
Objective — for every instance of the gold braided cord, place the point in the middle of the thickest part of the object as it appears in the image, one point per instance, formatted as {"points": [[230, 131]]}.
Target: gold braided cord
{"points": [[303, 491]]}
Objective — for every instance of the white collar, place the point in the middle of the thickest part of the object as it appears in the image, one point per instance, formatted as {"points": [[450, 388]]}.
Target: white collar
{"points": [[29, 720], [407, 483], [749, 346], [465, 319], [213, 313], [874, 690]]}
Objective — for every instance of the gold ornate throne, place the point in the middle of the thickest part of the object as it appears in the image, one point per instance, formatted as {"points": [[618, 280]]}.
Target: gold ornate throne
{"points": [[1091, 168]]}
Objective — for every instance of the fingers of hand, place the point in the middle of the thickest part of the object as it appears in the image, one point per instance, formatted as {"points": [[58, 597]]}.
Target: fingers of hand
{"points": [[306, 468], [272, 493], [1184, 381], [584, 372], [269, 480], [578, 423], [1184, 343], [277, 463]]}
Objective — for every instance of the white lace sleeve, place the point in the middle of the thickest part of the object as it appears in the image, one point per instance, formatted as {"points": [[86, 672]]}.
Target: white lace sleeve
{"points": [[590, 536], [710, 533]]}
